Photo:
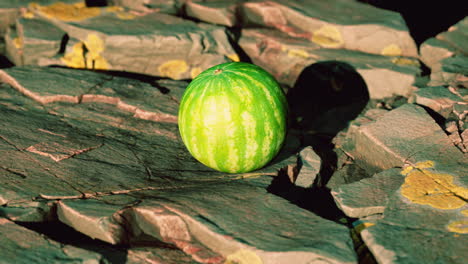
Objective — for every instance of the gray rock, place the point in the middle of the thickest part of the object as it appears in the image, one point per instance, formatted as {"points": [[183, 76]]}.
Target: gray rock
{"points": [[368, 29], [287, 57], [110, 38], [105, 152], [21, 245], [215, 12], [33, 40], [405, 135], [146, 6], [446, 56], [311, 164], [438, 98], [398, 236], [368, 197]]}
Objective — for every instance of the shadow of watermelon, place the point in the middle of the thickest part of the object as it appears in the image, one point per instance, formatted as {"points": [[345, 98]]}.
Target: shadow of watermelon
{"points": [[325, 98]]}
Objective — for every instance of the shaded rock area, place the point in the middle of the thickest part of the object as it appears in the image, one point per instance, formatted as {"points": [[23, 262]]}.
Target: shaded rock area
{"points": [[93, 170]]}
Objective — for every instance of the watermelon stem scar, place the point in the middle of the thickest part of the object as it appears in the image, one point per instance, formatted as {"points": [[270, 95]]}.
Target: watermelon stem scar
{"points": [[218, 71]]}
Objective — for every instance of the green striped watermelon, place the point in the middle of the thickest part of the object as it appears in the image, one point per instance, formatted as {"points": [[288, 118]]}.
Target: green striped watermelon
{"points": [[232, 117]]}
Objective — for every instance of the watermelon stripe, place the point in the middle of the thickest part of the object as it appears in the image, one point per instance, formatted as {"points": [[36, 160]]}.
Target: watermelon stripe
{"points": [[196, 124], [267, 93], [251, 134]]}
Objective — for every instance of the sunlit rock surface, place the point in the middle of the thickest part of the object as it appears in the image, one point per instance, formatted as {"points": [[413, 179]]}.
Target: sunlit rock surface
{"points": [[92, 168]]}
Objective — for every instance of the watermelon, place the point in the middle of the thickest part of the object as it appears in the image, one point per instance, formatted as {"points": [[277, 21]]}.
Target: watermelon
{"points": [[232, 117]]}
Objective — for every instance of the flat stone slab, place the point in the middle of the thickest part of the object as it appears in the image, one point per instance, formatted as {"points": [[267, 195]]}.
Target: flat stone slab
{"points": [[110, 38], [21, 245], [441, 100], [446, 56], [146, 6], [215, 12], [423, 198], [368, 29], [403, 136], [103, 155], [430, 207], [310, 168], [287, 57], [368, 197]]}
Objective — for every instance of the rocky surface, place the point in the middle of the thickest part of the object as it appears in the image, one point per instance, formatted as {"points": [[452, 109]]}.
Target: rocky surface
{"points": [[92, 168], [445, 54], [110, 38], [105, 158], [384, 76]]}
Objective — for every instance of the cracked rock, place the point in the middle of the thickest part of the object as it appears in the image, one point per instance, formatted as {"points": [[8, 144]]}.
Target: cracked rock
{"points": [[102, 155], [368, 197], [369, 29], [446, 56], [405, 135], [411, 217], [111, 38], [311, 164], [216, 12], [147, 6], [21, 245], [385, 76]]}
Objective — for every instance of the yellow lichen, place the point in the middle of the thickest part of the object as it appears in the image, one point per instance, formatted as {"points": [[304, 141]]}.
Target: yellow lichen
{"points": [[90, 57], [234, 57], [420, 165], [423, 186], [75, 58], [458, 226], [95, 46], [464, 212], [173, 69], [298, 53], [195, 71], [243, 256], [405, 61], [28, 14], [66, 12], [391, 50], [363, 226], [328, 36], [18, 42]]}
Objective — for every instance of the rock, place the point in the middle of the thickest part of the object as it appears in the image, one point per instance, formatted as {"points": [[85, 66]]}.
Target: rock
{"points": [[369, 29], [36, 248], [92, 219], [433, 50], [37, 39], [453, 71], [368, 197], [405, 135], [214, 12], [28, 211], [104, 151], [430, 206], [311, 164], [145, 254], [110, 38], [348, 172], [200, 223], [446, 56], [147, 6], [384, 76], [438, 98], [451, 105], [423, 200]]}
